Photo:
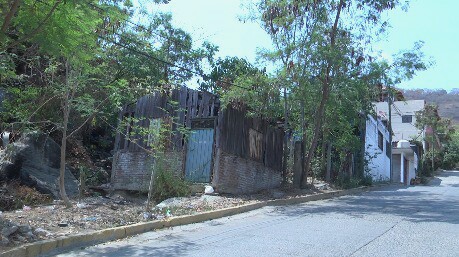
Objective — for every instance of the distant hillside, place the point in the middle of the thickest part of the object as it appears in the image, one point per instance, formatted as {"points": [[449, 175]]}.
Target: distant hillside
{"points": [[448, 103]]}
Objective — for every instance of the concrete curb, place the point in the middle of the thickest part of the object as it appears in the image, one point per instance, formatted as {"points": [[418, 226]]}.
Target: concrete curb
{"points": [[101, 236]]}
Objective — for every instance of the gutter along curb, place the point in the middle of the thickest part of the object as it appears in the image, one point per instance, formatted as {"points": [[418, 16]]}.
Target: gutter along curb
{"points": [[110, 234]]}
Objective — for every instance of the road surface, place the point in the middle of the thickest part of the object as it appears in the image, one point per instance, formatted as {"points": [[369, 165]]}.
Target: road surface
{"points": [[394, 221]]}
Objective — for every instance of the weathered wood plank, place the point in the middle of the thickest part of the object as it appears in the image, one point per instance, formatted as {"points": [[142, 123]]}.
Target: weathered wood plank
{"points": [[189, 111], [204, 109], [212, 107], [194, 108]]}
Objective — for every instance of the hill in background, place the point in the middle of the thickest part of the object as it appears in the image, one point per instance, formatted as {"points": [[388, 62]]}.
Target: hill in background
{"points": [[448, 103]]}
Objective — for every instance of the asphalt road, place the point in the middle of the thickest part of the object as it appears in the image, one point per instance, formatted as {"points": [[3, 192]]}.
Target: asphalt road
{"points": [[394, 221]]}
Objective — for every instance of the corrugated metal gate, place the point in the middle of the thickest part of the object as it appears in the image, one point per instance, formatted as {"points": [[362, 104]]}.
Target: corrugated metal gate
{"points": [[199, 155]]}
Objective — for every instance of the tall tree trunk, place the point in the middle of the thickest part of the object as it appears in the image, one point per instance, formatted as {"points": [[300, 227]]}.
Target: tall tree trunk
{"points": [[8, 18], [62, 192], [328, 169], [317, 127], [389, 125], [325, 95], [151, 186], [66, 113], [304, 175], [284, 164]]}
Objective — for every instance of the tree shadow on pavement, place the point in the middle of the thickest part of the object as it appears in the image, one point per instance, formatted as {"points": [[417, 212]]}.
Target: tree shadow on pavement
{"points": [[141, 248], [415, 204]]}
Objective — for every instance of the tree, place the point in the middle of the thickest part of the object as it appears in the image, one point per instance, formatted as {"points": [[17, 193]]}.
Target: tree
{"points": [[86, 59], [316, 51], [323, 49], [55, 40], [225, 72], [451, 152], [438, 132]]}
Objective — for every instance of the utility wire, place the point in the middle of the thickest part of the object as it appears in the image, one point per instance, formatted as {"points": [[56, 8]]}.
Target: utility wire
{"points": [[140, 26], [164, 37], [150, 56]]}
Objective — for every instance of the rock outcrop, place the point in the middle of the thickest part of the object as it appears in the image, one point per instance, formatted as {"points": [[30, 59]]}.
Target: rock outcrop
{"points": [[34, 160]]}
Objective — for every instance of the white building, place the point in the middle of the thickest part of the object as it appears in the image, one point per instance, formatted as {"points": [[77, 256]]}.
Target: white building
{"points": [[403, 120], [377, 149]]}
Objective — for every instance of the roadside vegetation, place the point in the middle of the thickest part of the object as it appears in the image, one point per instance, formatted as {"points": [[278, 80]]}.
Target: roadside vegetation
{"points": [[68, 67], [442, 140]]}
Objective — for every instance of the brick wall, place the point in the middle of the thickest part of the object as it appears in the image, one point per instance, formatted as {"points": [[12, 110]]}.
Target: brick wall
{"points": [[236, 175], [131, 170]]}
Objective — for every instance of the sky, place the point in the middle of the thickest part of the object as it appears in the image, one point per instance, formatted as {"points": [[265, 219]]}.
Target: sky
{"points": [[433, 21]]}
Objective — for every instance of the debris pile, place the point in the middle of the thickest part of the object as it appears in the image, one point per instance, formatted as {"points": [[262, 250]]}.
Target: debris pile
{"points": [[32, 223], [12, 234]]}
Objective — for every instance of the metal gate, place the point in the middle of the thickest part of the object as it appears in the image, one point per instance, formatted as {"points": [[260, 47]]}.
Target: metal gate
{"points": [[199, 155]]}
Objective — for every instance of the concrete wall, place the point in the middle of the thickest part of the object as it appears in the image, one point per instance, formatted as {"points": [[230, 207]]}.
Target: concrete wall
{"points": [[413, 165], [412, 168], [378, 162], [236, 175], [396, 168]]}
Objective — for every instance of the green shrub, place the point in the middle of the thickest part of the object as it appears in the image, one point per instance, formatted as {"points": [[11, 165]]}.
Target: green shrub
{"points": [[367, 180], [344, 181], [451, 157], [167, 182]]}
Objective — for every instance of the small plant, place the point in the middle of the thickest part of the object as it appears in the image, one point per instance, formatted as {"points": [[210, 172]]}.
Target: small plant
{"points": [[367, 180], [167, 183], [317, 169], [344, 181], [93, 177]]}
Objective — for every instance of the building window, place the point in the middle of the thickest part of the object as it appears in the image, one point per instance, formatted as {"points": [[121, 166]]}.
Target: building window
{"points": [[384, 122], [407, 118], [380, 140], [388, 145]]}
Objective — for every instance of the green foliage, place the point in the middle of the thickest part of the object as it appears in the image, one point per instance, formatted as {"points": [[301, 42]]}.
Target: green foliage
{"points": [[344, 181], [317, 168], [225, 72], [323, 51], [167, 182], [367, 180], [442, 140], [68, 26], [451, 152], [239, 82], [93, 177]]}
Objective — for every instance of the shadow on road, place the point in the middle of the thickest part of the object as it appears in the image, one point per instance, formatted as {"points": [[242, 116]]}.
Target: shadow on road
{"points": [[416, 204], [179, 248]]}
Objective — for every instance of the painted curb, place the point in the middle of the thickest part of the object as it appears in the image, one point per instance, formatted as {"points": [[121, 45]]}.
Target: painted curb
{"points": [[102, 236]]}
